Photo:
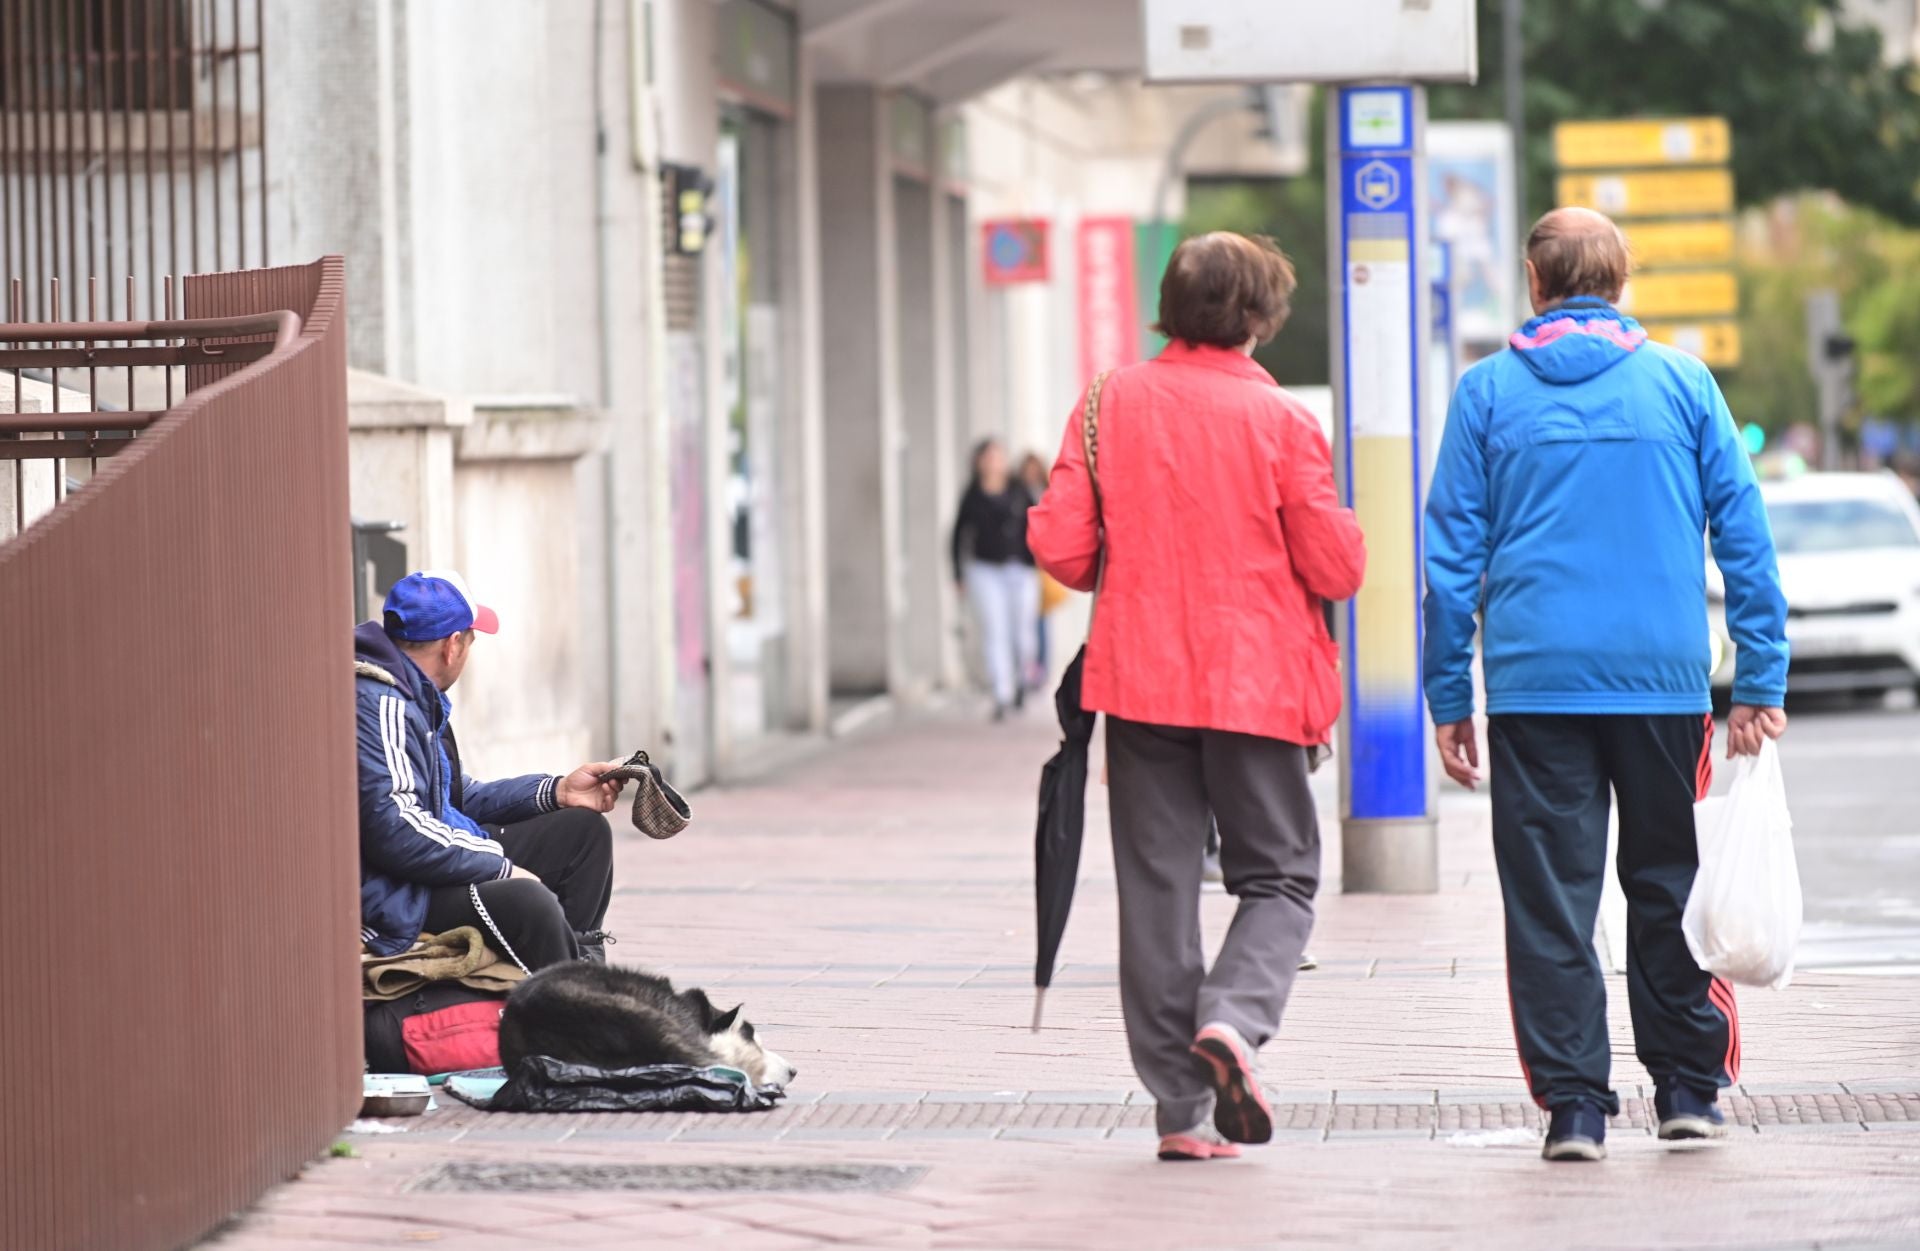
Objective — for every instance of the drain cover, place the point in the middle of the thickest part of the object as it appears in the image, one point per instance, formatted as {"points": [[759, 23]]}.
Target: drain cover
{"points": [[472, 1175]]}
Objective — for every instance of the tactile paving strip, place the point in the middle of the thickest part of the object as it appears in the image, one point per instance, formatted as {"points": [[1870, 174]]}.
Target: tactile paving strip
{"points": [[1044, 1114], [547, 1175]]}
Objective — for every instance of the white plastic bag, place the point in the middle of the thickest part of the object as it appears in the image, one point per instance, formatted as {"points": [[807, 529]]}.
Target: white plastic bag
{"points": [[1743, 916]]}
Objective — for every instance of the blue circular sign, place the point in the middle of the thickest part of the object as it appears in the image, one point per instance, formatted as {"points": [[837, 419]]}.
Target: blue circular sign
{"points": [[1008, 248]]}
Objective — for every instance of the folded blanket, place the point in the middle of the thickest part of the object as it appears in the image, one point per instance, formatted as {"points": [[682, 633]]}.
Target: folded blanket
{"points": [[460, 955]]}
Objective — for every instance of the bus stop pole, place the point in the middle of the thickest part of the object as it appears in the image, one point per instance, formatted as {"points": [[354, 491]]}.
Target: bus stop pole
{"points": [[1381, 335]]}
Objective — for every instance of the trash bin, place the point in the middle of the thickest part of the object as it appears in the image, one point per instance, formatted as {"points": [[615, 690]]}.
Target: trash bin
{"points": [[379, 561]]}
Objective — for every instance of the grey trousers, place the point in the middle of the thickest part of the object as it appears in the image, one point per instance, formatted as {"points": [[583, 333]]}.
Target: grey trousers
{"points": [[1164, 783]]}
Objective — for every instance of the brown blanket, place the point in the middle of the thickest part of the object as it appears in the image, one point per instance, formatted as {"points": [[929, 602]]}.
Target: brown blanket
{"points": [[456, 956]]}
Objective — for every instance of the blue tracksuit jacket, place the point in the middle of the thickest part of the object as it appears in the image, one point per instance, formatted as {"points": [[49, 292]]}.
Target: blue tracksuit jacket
{"points": [[1579, 470], [420, 818]]}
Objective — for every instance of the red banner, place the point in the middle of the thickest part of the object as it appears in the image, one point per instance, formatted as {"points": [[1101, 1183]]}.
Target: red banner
{"points": [[1109, 316]]}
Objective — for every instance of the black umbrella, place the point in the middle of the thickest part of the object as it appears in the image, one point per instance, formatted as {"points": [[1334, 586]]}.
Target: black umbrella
{"points": [[1057, 835]]}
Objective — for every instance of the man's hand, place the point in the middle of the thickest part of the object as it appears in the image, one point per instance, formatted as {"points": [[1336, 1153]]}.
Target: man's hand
{"points": [[1459, 752], [519, 871], [583, 788], [1748, 727]]}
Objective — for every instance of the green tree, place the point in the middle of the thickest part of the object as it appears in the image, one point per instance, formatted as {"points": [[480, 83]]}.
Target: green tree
{"points": [[1294, 212], [1815, 241], [1811, 103], [1885, 323]]}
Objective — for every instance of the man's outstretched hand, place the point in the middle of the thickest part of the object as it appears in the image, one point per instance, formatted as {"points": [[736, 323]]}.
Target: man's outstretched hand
{"points": [[1459, 752], [1748, 727], [583, 788]]}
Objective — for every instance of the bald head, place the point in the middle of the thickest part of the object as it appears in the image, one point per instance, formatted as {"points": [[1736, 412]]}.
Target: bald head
{"points": [[1574, 252]]}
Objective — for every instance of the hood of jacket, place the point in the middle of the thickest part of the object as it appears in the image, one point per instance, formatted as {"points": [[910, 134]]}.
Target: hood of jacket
{"points": [[378, 657], [1576, 341]]}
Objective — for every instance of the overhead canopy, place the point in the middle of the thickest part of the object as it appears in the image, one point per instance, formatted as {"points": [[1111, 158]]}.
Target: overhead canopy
{"points": [[950, 51]]}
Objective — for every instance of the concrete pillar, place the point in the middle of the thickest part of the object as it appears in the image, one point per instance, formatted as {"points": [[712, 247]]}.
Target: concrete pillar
{"points": [[344, 62], [964, 364], [861, 389], [923, 462], [949, 362], [805, 448]]}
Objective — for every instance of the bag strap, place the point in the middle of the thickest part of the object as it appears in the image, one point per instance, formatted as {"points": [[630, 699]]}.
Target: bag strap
{"points": [[1090, 448], [1090, 434]]}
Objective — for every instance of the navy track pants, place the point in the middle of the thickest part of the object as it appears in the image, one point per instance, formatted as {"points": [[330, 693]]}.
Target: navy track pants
{"points": [[1553, 779]]}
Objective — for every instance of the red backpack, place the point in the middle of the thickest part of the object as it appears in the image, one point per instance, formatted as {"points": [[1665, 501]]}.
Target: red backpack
{"points": [[441, 1028]]}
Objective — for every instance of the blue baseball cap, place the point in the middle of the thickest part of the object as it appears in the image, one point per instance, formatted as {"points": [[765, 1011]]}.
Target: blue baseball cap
{"points": [[434, 604]]}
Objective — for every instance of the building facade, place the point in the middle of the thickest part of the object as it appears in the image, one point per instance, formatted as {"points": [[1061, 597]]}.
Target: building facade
{"points": [[670, 320]]}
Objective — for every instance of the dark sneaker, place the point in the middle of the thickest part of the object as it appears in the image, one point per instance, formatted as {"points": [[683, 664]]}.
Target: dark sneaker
{"points": [[1684, 1115], [1578, 1131], [1240, 1109]]}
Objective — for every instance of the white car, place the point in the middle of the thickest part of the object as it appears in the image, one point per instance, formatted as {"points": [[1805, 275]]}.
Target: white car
{"points": [[1849, 547]]}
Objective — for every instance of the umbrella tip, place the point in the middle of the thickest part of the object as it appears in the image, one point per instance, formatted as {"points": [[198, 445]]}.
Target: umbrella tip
{"points": [[1039, 1002]]}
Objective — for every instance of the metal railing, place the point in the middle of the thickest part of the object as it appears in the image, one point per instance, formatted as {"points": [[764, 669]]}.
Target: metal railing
{"points": [[132, 143], [98, 430], [178, 818]]}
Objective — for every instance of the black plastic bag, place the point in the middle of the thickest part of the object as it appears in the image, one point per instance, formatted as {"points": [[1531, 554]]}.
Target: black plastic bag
{"points": [[543, 1084]]}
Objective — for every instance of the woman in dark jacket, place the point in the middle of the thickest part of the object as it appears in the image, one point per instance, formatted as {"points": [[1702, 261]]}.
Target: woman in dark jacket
{"points": [[994, 572]]}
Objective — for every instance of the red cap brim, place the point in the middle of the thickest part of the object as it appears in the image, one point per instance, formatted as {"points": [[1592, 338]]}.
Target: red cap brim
{"points": [[485, 620]]}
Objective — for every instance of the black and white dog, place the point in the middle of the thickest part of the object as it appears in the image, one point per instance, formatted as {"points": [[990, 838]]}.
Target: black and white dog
{"points": [[614, 1018]]}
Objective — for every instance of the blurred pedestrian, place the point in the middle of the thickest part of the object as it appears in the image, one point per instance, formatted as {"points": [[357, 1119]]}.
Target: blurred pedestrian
{"points": [[1577, 474], [994, 573], [1212, 507], [1033, 476]]}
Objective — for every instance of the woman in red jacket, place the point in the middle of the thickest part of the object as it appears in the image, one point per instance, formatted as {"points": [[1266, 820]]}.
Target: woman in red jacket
{"points": [[1222, 538]]}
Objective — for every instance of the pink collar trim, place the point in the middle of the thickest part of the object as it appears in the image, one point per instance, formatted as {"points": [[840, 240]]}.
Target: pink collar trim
{"points": [[1560, 327]]}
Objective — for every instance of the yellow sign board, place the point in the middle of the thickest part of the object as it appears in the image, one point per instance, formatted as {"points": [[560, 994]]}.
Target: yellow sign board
{"points": [[1700, 241], [1642, 141], [1652, 193], [1696, 294], [1715, 342]]}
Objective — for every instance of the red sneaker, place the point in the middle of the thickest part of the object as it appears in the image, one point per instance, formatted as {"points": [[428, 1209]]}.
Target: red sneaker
{"points": [[1240, 1109]]}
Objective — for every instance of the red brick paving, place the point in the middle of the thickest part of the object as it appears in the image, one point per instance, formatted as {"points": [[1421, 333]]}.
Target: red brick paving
{"points": [[872, 908]]}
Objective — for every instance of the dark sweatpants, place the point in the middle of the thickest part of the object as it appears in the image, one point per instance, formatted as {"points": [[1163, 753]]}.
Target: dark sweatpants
{"points": [[571, 852], [1551, 778]]}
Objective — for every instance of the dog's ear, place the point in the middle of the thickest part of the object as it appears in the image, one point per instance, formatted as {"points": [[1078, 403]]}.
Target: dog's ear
{"points": [[702, 1006], [724, 1022]]}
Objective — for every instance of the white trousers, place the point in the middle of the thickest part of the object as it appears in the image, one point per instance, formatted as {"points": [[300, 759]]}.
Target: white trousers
{"points": [[1006, 602]]}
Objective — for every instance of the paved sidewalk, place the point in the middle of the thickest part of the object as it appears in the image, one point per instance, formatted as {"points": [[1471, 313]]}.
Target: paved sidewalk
{"points": [[873, 910]]}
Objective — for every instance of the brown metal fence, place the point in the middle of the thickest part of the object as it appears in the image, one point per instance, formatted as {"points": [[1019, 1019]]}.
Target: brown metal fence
{"points": [[180, 1024], [132, 144]]}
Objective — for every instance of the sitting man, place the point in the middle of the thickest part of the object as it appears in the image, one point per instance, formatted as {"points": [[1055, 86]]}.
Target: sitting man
{"points": [[528, 861]]}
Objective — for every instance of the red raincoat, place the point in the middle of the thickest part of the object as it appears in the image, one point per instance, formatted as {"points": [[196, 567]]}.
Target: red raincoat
{"points": [[1224, 535]]}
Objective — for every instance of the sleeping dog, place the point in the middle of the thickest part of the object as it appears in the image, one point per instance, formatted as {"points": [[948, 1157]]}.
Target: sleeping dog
{"points": [[615, 1018]]}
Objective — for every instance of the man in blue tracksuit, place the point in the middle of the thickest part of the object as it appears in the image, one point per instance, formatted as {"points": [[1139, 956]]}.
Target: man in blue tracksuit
{"points": [[527, 861], [1578, 473]]}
